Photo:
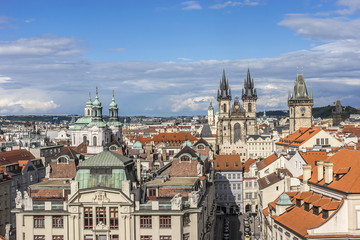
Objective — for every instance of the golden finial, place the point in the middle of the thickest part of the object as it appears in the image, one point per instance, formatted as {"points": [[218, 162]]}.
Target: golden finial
{"points": [[96, 90]]}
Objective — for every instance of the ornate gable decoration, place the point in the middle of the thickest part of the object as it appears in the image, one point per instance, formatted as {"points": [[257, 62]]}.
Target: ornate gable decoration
{"points": [[100, 197]]}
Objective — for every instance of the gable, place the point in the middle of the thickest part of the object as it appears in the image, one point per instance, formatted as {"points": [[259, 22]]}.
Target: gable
{"points": [[100, 196]]}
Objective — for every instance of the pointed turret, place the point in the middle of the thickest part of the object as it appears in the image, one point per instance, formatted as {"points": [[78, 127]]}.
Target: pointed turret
{"points": [[113, 111], [97, 108], [223, 91], [249, 92], [300, 90]]}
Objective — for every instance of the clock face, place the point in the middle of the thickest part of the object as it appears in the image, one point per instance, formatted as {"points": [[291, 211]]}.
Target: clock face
{"points": [[302, 110]]}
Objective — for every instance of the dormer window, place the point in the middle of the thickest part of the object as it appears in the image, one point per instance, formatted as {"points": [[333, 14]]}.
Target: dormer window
{"points": [[185, 158], [201, 147], [307, 207], [62, 160], [226, 165], [325, 214], [316, 210], [298, 202]]}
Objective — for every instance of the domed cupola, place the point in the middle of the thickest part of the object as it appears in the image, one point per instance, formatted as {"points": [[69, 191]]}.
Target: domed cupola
{"points": [[97, 108], [88, 107], [113, 111]]}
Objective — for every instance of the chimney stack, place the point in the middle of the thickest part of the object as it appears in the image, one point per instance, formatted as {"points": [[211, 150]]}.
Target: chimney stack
{"points": [[320, 167], [329, 172], [306, 172]]}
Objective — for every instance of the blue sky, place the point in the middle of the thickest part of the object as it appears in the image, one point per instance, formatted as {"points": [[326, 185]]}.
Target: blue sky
{"points": [[166, 57]]}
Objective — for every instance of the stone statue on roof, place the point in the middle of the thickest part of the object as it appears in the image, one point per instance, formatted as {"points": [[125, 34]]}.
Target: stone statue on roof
{"points": [[194, 198], [18, 199], [176, 202]]}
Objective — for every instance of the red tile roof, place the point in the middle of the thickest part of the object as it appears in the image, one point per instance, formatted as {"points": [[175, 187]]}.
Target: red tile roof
{"points": [[11, 157], [343, 160], [247, 164], [267, 161], [230, 162], [299, 137], [311, 157]]}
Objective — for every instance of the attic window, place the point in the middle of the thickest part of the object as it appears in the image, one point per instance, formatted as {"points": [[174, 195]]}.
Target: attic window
{"points": [[307, 207], [226, 165], [217, 165], [298, 202], [236, 165], [185, 158], [325, 214], [316, 210], [201, 147]]}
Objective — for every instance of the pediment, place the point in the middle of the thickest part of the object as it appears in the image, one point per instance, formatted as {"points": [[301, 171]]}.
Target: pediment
{"points": [[100, 196]]}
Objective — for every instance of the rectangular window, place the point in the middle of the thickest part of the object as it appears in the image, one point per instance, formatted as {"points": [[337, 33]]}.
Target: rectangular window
{"points": [[114, 218], [145, 222], [322, 141], [234, 177], [229, 176], [114, 237], [39, 222], [317, 141], [165, 221], [88, 218], [57, 221], [100, 215], [250, 184], [171, 152], [58, 237], [145, 237], [186, 236], [186, 219], [357, 218], [39, 237], [165, 237], [326, 141], [238, 176]]}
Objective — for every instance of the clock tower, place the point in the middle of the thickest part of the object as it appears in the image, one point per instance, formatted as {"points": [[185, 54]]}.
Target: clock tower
{"points": [[300, 106]]}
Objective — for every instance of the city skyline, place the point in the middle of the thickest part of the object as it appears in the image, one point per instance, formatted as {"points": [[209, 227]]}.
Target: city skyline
{"points": [[166, 57]]}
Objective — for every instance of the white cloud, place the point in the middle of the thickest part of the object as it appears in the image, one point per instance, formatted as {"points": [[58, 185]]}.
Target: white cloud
{"points": [[25, 105], [234, 4], [323, 28], [191, 5], [184, 59], [116, 50], [352, 6], [47, 45], [4, 79], [190, 103]]}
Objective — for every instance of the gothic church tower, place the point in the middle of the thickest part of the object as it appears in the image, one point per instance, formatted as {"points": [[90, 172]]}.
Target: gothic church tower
{"points": [[249, 98], [300, 106], [224, 99]]}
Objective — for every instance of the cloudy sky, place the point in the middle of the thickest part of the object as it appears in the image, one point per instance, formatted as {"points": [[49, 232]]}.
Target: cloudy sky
{"points": [[165, 57]]}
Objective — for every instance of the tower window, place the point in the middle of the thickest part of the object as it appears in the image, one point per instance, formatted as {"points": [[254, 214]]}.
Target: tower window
{"points": [[224, 107], [249, 107]]}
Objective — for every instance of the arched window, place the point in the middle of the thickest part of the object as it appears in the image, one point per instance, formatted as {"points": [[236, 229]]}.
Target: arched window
{"points": [[224, 108], [62, 160], [201, 147], [88, 112], [94, 141], [249, 107], [85, 140], [237, 132], [185, 158]]}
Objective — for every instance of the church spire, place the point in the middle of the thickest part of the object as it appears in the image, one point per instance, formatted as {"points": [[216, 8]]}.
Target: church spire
{"points": [[224, 91], [249, 91], [300, 90]]}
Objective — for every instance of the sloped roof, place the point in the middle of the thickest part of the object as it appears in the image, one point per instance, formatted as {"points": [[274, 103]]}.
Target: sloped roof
{"points": [[247, 164], [310, 157], [350, 182], [273, 178], [10, 157], [203, 141], [230, 162], [68, 152], [187, 150], [106, 159], [299, 137], [206, 131], [267, 161]]}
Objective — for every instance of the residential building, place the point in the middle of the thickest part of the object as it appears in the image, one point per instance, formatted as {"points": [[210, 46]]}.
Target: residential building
{"points": [[250, 186], [308, 138], [296, 162], [327, 205], [270, 164], [229, 183], [260, 146], [5, 201]]}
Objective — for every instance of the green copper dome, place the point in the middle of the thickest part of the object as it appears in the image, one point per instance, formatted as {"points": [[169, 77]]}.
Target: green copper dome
{"points": [[89, 103], [210, 106], [96, 102], [137, 145], [284, 200], [113, 104]]}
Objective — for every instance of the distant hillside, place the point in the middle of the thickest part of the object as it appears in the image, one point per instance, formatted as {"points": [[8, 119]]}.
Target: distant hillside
{"points": [[322, 112], [326, 112]]}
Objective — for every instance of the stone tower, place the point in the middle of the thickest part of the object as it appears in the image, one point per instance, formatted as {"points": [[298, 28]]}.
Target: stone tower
{"points": [[224, 99], [249, 98], [300, 105], [211, 115], [338, 114]]}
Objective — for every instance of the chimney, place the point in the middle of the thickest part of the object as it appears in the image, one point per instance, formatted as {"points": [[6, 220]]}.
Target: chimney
{"points": [[306, 172], [320, 167], [329, 172]]}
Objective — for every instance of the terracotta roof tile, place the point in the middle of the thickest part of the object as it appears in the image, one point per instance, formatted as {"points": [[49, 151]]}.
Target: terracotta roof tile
{"points": [[247, 164], [230, 162], [299, 137], [267, 161], [11, 157], [311, 157]]}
